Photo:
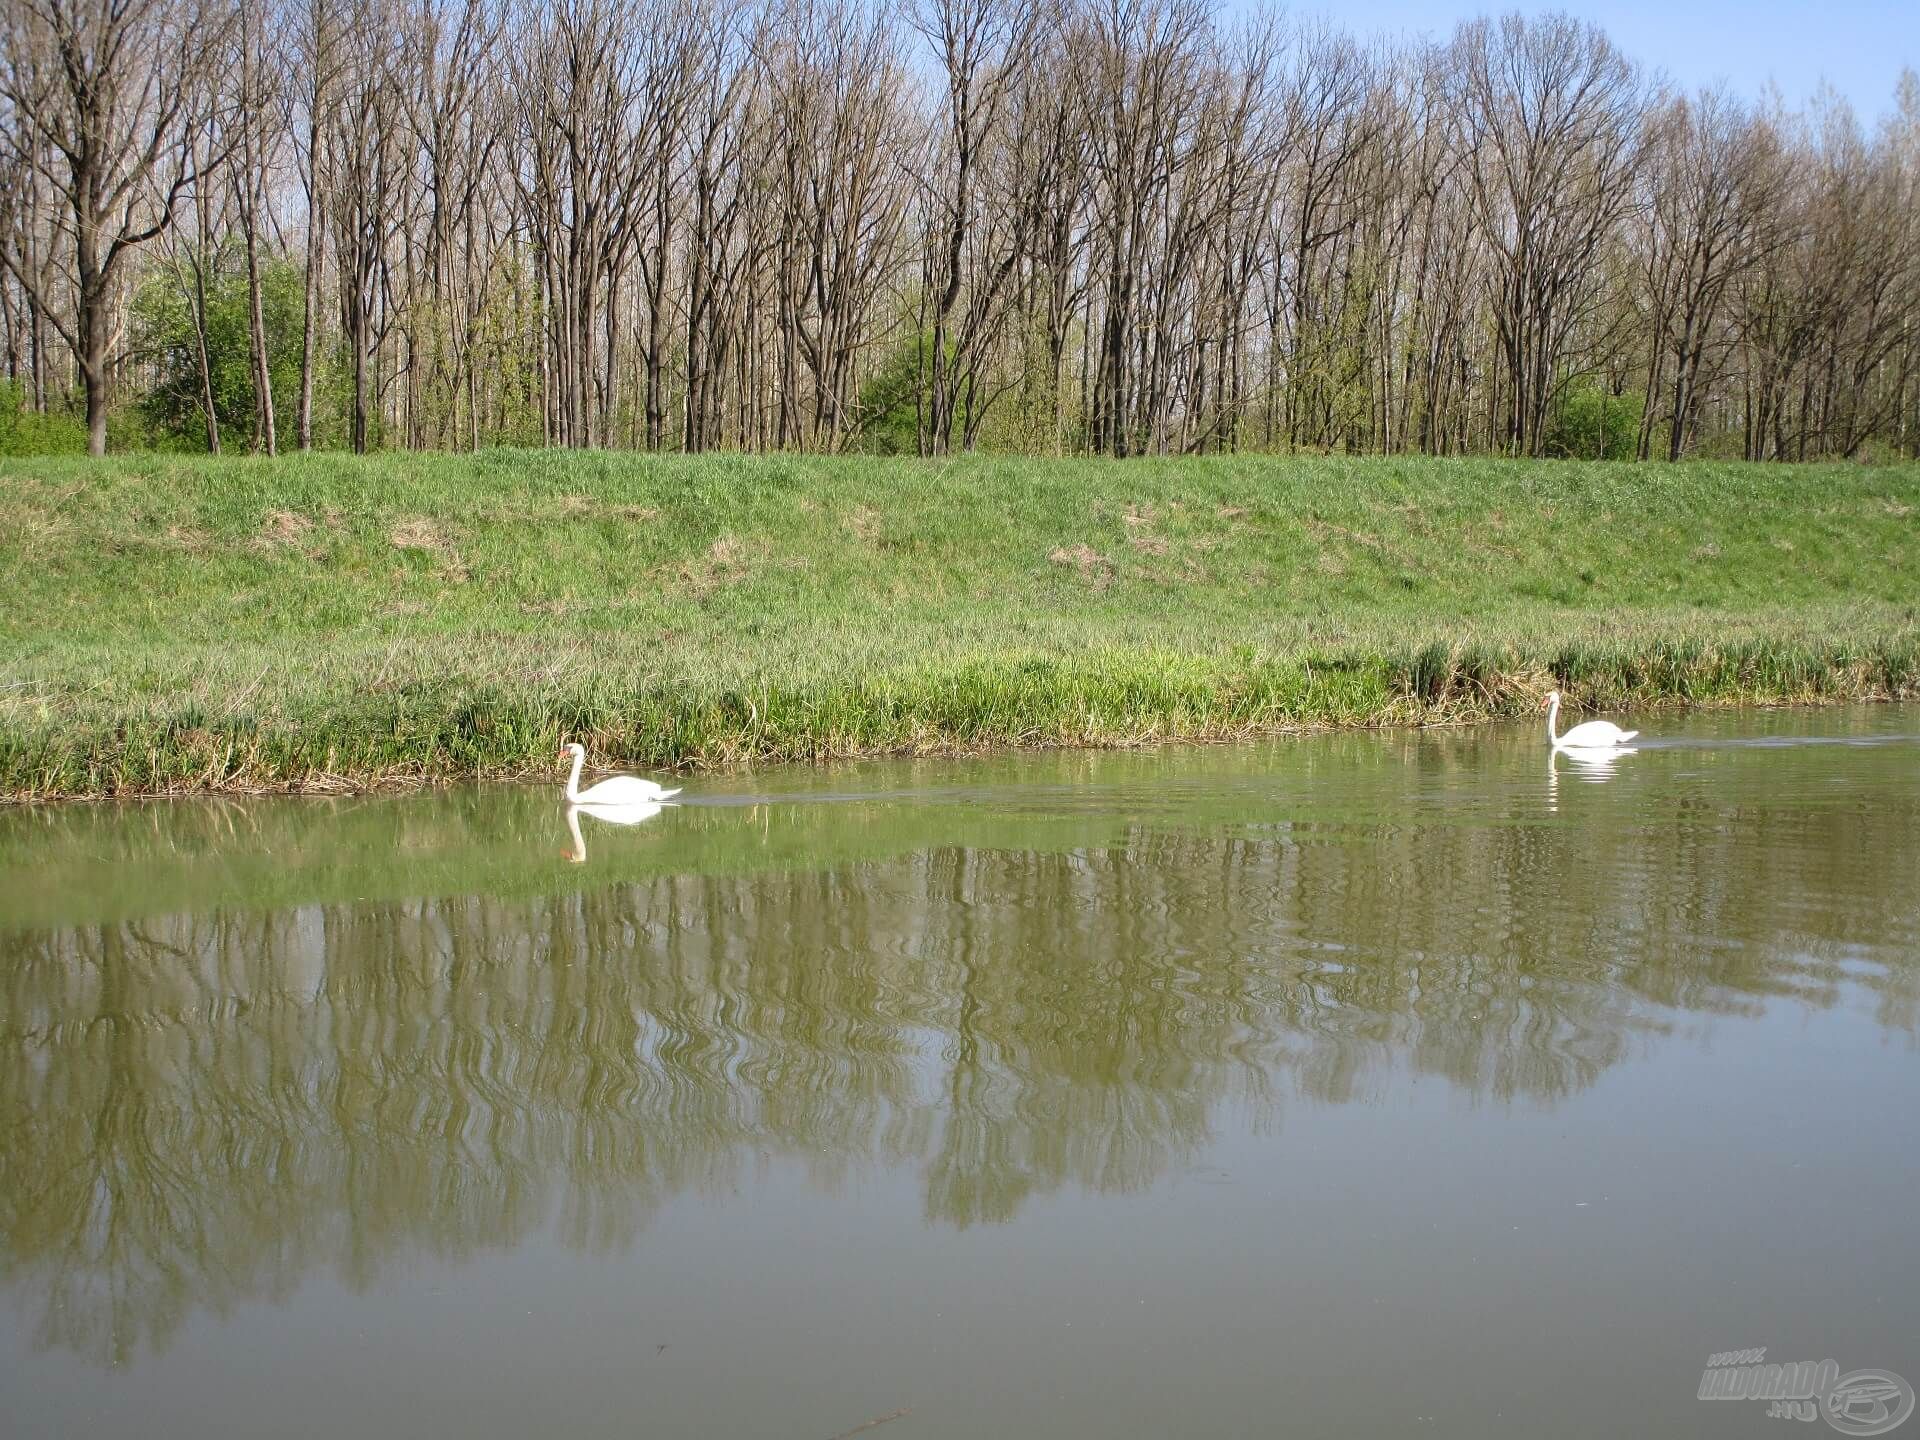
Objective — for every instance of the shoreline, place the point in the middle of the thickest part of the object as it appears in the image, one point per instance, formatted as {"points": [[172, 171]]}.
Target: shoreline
{"points": [[1408, 715]]}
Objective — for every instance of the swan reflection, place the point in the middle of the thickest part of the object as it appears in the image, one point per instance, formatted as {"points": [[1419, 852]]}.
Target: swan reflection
{"points": [[1592, 766], [608, 815]]}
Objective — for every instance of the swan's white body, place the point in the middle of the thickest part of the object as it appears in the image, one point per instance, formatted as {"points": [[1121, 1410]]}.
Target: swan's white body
{"points": [[610, 814], [617, 790], [1592, 735]]}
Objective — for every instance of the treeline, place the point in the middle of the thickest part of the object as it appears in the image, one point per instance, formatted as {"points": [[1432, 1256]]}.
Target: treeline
{"points": [[1102, 226]]}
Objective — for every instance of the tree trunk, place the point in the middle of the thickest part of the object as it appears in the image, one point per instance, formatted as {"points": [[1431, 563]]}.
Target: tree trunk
{"points": [[92, 351], [267, 439], [303, 422]]}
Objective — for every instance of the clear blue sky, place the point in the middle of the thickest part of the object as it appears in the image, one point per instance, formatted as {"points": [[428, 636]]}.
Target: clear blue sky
{"points": [[1858, 48]]}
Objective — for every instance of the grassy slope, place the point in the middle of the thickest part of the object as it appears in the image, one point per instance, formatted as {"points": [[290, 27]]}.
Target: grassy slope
{"points": [[169, 623]]}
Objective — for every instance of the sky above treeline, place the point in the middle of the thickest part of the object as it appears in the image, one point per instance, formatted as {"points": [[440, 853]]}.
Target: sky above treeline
{"points": [[1857, 48]]}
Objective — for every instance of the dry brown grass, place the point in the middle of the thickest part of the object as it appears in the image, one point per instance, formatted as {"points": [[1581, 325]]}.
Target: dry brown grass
{"points": [[420, 533], [1088, 563]]}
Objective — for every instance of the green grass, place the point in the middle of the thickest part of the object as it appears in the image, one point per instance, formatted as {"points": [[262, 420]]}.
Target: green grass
{"points": [[175, 624]]}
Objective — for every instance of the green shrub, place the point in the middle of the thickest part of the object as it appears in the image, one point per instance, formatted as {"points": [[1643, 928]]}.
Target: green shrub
{"points": [[1591, 423], [164, 333], [890, 403], [27, 432]]}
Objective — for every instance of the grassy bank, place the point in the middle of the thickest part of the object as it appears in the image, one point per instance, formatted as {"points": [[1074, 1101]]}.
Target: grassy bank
{"points": [[171, 624]]}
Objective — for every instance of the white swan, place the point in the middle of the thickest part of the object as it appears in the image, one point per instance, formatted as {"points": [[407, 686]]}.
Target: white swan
{"points": [[1593, 734], [618, 790], [610, 814]]}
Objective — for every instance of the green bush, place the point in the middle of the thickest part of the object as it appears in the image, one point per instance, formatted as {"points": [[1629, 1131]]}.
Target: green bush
{"points": [[889, 409], [26, 432], [890, 402], [164, 333], [1591, 423]]}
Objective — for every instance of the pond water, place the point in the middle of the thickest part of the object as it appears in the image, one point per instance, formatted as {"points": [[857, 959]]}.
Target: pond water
{"points": [[1405, 1084]]}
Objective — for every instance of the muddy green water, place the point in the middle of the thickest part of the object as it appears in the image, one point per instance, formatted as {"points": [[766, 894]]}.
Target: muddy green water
{"points": [[1357, 1085]]}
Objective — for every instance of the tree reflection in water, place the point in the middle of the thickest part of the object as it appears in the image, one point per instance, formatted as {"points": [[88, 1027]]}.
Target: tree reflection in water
{"points": [[202, 1108]]}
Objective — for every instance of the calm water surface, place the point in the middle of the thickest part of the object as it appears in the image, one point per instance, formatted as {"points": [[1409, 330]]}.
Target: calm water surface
{"points": [[1362, 1085]]}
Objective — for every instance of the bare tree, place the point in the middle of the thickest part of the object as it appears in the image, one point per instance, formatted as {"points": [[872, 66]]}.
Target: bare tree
{"points": [[256, 117], [454, 108], [311, 32], [109, 99], [367, 171], [728, 122], [585, 167], [836, 84], [984, 47], [1550, 112], [1714, 176], [1136, 80]]}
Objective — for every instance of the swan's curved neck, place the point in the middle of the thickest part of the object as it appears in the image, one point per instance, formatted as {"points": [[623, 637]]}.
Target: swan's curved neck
{"points": [[573, 780], [1553, 723]]}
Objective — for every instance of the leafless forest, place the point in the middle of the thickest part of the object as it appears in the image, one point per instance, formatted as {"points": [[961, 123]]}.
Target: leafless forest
{"points": [[1105, 226]]}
